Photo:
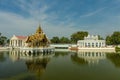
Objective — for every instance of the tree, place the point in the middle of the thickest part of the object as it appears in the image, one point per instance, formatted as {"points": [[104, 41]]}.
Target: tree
{"points": [[100, 38], [55, 40], [78, 36], [114, 39], [64, 40], [108, 40], [3, 40]]}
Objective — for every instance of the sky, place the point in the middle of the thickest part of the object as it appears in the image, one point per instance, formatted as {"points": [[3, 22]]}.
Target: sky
{"points": [[59, 17]]}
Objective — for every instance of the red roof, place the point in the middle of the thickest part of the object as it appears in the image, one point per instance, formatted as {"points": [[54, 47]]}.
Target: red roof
{"points": [[21, 37]]}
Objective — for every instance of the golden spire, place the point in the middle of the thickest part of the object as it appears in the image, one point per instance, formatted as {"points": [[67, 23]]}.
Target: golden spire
{"points": [[39, 30]]}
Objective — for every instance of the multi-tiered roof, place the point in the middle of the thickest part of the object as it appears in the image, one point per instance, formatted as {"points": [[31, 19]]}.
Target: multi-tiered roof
{"points": [[38, 39]]}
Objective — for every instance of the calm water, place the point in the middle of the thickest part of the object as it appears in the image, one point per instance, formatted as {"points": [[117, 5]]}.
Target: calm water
{"points": [[15, 65]]}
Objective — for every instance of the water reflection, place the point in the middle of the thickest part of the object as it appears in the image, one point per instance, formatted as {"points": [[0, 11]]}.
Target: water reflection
{"points": [[114, 58], [57, 54], [2, 58], [82, 57], [35, 62], [17, 55], [17, 65], [37, 66]]}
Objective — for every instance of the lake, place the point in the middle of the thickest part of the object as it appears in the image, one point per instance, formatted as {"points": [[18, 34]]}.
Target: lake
{"points": [[60, 65]]}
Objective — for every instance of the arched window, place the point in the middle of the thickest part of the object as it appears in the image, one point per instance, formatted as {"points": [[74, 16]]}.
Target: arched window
{"points": [[88, 44], [92, 44], [96, 44], [100, 44]]}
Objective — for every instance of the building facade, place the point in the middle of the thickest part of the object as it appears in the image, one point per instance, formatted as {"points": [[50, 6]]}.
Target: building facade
{"points": [[91, 42], [17, 41]]}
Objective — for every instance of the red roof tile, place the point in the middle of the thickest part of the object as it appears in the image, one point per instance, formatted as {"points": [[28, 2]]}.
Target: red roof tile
{"points": [[21, 37]]}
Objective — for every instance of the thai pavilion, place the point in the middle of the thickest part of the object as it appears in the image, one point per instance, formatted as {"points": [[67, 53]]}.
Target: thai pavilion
{"points": [[37, 40]]}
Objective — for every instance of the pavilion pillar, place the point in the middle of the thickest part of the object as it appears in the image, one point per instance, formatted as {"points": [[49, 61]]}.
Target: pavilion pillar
{"points": [[13, 42], [16, 43], [10, 43]]}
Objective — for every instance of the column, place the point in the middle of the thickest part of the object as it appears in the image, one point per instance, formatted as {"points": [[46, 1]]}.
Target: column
{"points": [[10, 43], [16, 43], [90, 44], [22, 43], [13, 42], [83, 44], [98, 44]]}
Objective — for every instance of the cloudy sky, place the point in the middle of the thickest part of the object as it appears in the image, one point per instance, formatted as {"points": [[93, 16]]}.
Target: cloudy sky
{"points": [[59, 17]]}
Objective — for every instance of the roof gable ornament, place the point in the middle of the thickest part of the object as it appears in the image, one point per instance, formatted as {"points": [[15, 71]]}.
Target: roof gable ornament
{"points": [[39, 30]]}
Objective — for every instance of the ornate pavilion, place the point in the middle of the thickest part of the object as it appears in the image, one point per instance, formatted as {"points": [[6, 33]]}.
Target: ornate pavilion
{"points": [[38, 39]]}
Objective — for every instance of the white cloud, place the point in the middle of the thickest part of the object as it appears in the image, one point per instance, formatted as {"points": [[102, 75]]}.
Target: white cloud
{"points": [[16, 24], [93, 13], [11, 23]]}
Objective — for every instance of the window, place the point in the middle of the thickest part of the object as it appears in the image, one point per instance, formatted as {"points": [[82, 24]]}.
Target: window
{"points": [[92, 44], [96, 44], [85, 44], [88, 44]]}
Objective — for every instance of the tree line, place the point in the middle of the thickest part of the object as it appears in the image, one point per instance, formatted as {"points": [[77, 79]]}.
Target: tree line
{"points": [[113, 39], [73, 38]]}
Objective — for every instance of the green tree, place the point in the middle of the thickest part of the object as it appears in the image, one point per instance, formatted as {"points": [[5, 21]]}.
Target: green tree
{"points": [[100, 38], [55, 40], [114, 39], [3, 40], [78, 36], [108, 40], [64, 40]]}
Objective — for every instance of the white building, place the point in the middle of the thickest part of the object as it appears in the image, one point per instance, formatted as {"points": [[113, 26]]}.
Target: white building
{"points": [[91, 42], [17, 41]]}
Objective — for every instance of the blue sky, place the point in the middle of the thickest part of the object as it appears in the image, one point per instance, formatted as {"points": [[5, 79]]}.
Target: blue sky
{"points": [[59, 17]]}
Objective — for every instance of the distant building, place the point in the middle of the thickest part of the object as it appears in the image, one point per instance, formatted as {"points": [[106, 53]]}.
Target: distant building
{"points": [[17, 41], [91, 42]]}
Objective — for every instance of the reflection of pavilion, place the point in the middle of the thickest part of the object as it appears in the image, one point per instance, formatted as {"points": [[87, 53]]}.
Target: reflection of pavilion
{"points": [[91, 57], [17, 54], [36, 62], [37, 66]]}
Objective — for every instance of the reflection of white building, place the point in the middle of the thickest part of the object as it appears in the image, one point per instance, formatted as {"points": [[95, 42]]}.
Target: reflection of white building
{"points": [[91, 57], [17, 41], [91, 42]]}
